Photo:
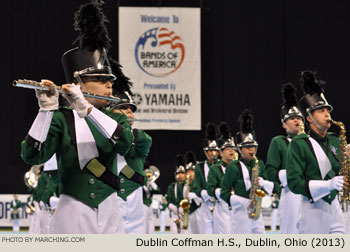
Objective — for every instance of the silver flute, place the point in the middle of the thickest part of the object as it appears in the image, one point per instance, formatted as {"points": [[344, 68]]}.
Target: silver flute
{"points": [[39, 86]]}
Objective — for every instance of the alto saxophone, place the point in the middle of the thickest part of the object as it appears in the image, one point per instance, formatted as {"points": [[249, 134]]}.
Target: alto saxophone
{"points": [[256, 193], [344, 163], [185, 205]]}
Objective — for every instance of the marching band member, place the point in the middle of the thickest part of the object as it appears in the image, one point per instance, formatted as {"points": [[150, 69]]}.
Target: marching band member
{"points": [[149, 190], [222, 215], [239, 176], [291, 119], [186, 194], [211, 151], [16, 209], [313, 164], [51, 192], [85, 137], [172, 199], [162, 217], [130, 166]]}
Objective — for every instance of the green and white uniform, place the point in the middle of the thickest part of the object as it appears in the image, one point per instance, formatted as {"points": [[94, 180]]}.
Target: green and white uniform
{"points": [[132, 178], [205, 221], [16, 207], [193, 211], [276, 172], [173, 205], [87, 204], [312, 159], [222, 215], [238, 176]]}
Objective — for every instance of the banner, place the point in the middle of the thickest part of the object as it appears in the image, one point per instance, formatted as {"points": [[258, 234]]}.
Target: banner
{"points": [[5, 217], [159, 49]]}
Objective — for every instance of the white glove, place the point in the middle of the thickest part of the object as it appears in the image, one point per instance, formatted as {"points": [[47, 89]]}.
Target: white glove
{"points": [[238, 201], [204, 195], [181, 210], [48, 100], [191, 195], [153, 185], [53, 202], [76, 99], [267, 185], [172, 208], [320, 188], [336, 183], [282, 175], [217, 193]]}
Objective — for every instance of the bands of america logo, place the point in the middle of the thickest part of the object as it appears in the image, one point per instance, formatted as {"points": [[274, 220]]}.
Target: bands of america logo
{"points": [[159, 52]]}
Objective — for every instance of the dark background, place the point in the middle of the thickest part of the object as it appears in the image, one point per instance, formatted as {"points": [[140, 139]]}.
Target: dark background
{"points": [[248, 49]]}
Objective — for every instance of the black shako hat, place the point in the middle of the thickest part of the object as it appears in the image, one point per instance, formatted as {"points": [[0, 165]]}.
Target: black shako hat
{"points": [[246, 136], [89, 58], [290, 105], [226, 139], [210, 141], [313, 92]]}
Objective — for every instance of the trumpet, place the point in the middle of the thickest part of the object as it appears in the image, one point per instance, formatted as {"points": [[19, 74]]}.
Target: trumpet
{"points": [[30, 84]]}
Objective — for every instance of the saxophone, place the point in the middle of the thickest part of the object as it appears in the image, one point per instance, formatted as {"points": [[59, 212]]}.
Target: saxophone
{"points": [[185, 204], [256, 193], [344, 163]]}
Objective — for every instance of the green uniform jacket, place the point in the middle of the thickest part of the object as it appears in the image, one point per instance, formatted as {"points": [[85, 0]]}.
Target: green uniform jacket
{"points": [[180, 196], [135, 158], [171, 195], [199, 182], [215, 176], [80, 184], [276, 160], [53, 187], [302, 165], [17, 205], [163, 207], [40, 189], [233, 178], [148, 200]]}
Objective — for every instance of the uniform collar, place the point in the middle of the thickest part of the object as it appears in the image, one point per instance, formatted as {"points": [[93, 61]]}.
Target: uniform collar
{"points": [[313, 134], [291, 135], [224, 164], [250, 164]]}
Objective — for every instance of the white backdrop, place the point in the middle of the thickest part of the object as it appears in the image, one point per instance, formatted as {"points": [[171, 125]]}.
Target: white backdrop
{"points": [[159, 49]]}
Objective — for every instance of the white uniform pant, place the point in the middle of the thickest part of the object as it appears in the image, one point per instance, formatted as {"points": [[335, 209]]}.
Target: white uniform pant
{"points": [[244, 225], [35, 220], [222, 218], [132, 212], [289, 207], [162, 221], [44, 221], [347, 220], [206, 224], [149, 219], [194, 219], [274, 214], [15, 226], [74, 217], [320, 217]]}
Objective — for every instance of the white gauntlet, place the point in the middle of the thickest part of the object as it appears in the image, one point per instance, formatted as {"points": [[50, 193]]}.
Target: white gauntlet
{"points": [[76, 99], [48, 100]]}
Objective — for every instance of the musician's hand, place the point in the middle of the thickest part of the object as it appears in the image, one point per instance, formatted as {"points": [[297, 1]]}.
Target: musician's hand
{"points": [[76, 99], [48, 100], [336, 183]]}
